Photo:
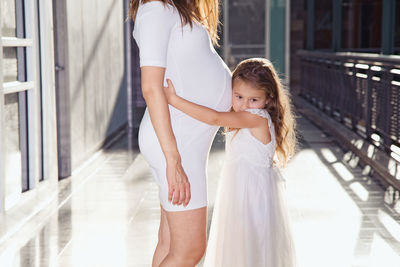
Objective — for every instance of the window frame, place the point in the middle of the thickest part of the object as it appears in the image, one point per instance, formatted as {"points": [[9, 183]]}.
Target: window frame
{"points": [[27, 82]]}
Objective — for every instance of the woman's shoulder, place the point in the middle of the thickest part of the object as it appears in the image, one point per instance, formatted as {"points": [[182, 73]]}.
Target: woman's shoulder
{"points": [[153, 4], [156, 14], [154, 7]]}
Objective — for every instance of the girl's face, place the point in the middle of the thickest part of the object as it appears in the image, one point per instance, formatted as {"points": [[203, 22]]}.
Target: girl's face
{"points": [[245, 96]]}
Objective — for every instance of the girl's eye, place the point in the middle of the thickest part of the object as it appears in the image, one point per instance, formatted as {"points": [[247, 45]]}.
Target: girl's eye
{"points": [[238, 96], [254, 100]]}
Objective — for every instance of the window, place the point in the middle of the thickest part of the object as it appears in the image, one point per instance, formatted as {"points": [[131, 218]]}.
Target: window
{"points": [[10, 64], [323, 24], [362, 25], [246, 29], [19, 98], [8, 22], [397, 29]]}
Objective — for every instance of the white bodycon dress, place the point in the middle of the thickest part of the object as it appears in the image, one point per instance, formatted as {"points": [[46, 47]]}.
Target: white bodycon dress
{"points": [[199, 75]]}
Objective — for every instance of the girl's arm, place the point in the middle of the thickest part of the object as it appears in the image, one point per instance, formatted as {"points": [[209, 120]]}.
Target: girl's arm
{"points": [[241, 119], [152, 88]]}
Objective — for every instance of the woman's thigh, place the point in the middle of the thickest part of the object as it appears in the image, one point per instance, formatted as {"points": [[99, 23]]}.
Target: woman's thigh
{"points": [[187, 231]]}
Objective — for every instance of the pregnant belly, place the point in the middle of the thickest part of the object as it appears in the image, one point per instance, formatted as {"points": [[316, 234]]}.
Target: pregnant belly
{"points": [[206, 86], [199, 76]]}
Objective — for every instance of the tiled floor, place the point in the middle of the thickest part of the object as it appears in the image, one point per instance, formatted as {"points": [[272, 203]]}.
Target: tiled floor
{"points": [[108, 214]]}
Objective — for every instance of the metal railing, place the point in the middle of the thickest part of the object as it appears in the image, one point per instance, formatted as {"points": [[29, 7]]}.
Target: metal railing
{"points": [[360, 90]]}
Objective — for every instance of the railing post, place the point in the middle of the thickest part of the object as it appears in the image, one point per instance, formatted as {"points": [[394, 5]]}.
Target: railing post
{"points": [[387, 79], [368, 106]]}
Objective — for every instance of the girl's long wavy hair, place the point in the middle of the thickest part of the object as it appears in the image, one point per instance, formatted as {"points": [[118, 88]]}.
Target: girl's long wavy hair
{"points": [[260, 73], [205, 12]]}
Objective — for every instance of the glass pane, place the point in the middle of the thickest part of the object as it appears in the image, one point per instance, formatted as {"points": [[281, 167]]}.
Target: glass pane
{"points": [[323, 24], [8, 22], [10, 64], [397, 29], [247, 28], [362, 25], [13, 156]]}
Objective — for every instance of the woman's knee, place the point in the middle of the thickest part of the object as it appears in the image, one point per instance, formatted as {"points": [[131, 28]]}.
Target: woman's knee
{"points": [[188, 257], [164, 235], [163, 244], [199, 250], [192, 253]]}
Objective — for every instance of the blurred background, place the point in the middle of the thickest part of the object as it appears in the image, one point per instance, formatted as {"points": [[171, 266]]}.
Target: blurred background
{"points": [[71, 104]]}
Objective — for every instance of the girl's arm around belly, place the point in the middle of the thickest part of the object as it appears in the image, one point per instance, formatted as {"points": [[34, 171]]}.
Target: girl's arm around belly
{"points": [[210, 116]]}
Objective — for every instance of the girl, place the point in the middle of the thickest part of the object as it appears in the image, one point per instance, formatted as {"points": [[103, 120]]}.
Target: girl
{"points": [[250, 222]]}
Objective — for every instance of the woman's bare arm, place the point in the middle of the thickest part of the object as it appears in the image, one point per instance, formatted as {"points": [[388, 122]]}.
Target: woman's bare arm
{"points": [[152, 88]]}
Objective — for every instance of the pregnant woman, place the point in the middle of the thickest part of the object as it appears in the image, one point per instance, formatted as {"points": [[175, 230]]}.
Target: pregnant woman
{"points": [[175, 39]]}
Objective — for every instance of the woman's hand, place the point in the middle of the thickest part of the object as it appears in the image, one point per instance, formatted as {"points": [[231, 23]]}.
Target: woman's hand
{"points": [[170, 91], [178, 183]]}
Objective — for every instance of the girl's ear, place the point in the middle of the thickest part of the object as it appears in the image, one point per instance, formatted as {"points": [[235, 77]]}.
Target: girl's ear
{"points": [[269, 99]]}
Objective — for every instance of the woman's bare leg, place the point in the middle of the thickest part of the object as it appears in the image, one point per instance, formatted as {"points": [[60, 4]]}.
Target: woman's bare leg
{"points": [[188, 238], [163, 240]]}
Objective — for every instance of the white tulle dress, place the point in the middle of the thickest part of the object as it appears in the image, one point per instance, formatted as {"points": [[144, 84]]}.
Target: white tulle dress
{"points": [[250, 224]]}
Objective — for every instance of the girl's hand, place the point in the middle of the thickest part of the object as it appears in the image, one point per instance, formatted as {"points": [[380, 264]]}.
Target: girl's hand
{"points": [[170, 91], [178, 183]]}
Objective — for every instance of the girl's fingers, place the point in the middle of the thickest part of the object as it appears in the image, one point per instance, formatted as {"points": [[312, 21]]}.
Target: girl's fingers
{"points": [[170, 85]]}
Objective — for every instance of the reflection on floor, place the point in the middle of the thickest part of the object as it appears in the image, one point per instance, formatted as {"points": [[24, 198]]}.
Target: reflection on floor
{"points": [[108, 214]]}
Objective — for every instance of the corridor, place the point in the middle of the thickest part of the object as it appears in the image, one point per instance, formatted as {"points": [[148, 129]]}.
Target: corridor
{"points": [[107, 213]]}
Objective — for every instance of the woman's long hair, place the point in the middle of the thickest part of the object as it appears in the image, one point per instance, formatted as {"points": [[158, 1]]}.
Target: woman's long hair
{"points": [[260, 73], [205, 12]]}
